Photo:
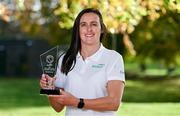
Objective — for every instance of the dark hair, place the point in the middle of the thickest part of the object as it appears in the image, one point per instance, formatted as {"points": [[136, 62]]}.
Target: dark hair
{"points": [[69, 59]]}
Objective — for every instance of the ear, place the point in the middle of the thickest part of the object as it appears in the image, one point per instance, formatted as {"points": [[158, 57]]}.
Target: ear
{"points": [[102, 30]]}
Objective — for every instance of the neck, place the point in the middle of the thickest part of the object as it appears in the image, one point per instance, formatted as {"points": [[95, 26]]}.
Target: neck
{"points": [[88, 50]]}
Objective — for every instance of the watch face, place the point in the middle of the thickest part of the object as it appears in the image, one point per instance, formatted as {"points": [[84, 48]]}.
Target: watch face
{"points": [[81, 103]]}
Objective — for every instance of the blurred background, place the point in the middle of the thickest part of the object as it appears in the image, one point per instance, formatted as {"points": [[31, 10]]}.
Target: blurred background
{"points": [[145, 32]]}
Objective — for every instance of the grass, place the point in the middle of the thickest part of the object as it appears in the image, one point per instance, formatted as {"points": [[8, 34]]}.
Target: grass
{"points": [[20, 92], [127, 109], [142, 97], [152, 69], [152, 90], [149, 109]]}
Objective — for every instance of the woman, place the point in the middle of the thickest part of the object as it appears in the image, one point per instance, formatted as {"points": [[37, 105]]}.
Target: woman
{"points": [[90, 76]]}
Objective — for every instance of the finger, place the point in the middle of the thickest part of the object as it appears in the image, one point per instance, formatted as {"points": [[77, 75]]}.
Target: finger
{"points": [[54, 78], [53, 96], [47, 76], [43, 77], [61, 100], [62, 92], [49, 79], [42, 85], [42, 82]]}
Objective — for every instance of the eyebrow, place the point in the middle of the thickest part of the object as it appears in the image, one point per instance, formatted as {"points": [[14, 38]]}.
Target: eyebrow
{"points": [[90, 22], [82, 22]]}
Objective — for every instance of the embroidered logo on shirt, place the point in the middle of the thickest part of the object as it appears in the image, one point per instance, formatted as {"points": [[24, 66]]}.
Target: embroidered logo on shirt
{"points": [[98, 65]]}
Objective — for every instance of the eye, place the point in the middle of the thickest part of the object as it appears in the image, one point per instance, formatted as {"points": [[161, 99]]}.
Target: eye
{"points": [[82, 24], [94, 24]]}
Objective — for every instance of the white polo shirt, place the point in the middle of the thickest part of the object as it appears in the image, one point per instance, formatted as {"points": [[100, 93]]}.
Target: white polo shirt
{"points": [[89, 78]]}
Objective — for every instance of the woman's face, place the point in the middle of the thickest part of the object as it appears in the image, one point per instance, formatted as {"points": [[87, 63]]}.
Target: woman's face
{"points": [[90, 29]]}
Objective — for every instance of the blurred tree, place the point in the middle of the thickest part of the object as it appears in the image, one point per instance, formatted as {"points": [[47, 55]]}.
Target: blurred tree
{"points": [[120, 16], [7, 26], [159, 18], [159, 39], [53, 19], [37, 19], [34, 18]]}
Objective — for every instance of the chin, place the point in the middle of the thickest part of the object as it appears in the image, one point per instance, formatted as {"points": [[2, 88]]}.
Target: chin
{"points": [[90, 43]]}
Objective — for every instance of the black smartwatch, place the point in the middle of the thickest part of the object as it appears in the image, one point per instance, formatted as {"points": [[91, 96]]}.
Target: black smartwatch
{"points": [[81, 103]]}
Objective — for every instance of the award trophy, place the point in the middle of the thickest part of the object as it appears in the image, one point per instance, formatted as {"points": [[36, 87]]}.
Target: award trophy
{"points": [[49, 61]]}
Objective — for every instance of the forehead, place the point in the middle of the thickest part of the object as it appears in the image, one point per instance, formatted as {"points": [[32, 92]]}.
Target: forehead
{"points": [[89, 17]]}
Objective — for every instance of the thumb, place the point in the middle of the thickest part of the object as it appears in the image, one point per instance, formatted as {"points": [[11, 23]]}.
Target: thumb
{"points": [[54, 78], [47, 76], [61, 91]]}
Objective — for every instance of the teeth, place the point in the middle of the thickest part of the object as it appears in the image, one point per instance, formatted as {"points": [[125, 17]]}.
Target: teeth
{"points": [[90, 35]]}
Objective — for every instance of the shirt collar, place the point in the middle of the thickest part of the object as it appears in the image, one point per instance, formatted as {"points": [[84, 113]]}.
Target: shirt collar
{"points": [[95, 56]]}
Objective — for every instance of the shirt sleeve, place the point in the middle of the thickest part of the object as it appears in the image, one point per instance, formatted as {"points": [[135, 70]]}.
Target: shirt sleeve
{"points": [[60, 77], [116, 70]]}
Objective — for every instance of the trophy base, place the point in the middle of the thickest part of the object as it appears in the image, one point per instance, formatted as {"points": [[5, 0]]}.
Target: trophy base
{"points": [[50, 91]]}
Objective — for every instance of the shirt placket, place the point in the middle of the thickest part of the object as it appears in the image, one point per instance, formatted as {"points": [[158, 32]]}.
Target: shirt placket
{"points": [[84, 66]]}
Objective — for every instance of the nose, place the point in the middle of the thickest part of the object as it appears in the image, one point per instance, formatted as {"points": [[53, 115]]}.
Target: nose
{"points": [[89, 28]]}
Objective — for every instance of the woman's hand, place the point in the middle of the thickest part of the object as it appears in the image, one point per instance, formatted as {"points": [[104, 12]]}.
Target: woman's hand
{"points": [[65, 99], [46, 82], [54, 101]]}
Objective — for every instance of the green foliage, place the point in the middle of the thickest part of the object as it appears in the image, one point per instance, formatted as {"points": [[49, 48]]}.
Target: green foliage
{"points": [[119, 16], [115, 13], [159, 32], [34, 19], [159, 39], [155, 22]]}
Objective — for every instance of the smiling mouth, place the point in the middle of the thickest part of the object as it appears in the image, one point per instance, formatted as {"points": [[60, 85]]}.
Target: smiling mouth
{"points": [[89, 35]]}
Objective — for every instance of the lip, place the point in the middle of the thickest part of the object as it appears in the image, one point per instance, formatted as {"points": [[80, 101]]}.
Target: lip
{"points": [[89, 35]]}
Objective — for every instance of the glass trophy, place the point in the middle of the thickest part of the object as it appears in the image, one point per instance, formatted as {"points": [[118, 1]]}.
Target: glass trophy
{"points": [[49, 61]]}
